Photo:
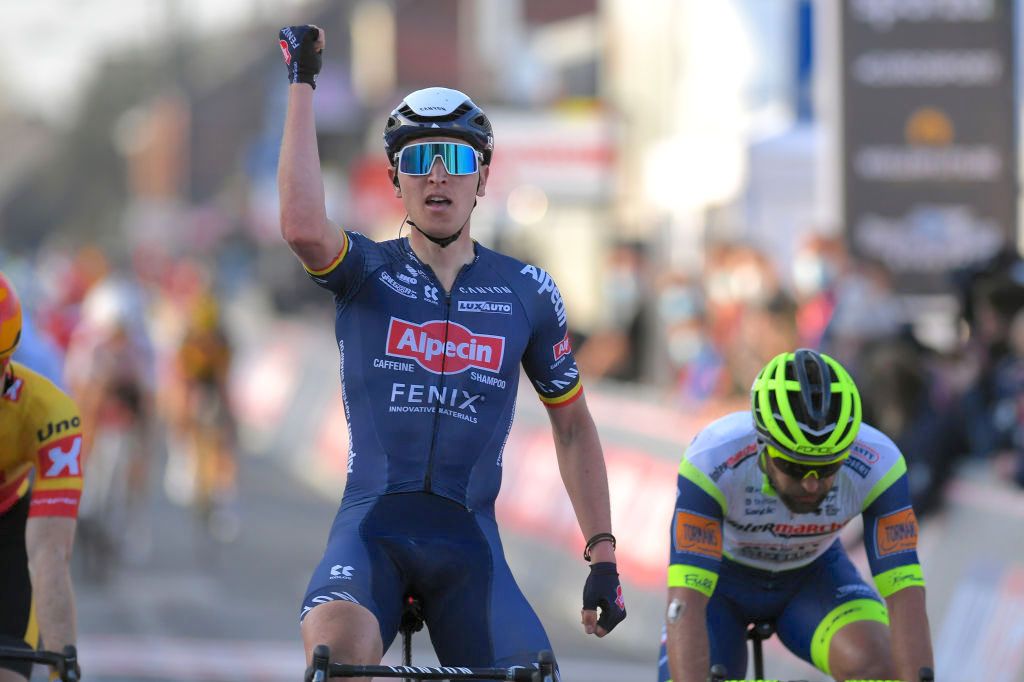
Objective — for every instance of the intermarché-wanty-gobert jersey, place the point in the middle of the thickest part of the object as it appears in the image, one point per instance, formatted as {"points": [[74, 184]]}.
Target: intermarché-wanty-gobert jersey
{"points": [[429, 379], [726, 507], [40, 430]]}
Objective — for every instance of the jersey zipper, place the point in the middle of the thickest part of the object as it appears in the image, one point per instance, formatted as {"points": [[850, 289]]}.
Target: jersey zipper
{"points": [[428, 477]]}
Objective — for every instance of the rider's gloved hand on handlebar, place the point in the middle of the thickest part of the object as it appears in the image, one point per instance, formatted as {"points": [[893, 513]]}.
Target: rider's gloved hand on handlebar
{"points": [[602, 590], [302, 47]]}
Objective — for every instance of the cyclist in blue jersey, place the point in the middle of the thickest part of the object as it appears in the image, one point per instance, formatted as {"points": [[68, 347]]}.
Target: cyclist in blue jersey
{"points": [[432, 330], [760, 504]]}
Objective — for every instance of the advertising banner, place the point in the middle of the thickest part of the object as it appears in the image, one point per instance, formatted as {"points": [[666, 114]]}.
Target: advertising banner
{"points": [[929, 141]]}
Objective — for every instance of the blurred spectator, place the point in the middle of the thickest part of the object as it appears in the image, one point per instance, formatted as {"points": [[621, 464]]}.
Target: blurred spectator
{"points": [[110, 363], [202, 468], [867, 309], [996, 297], [1008, 406], [764, 331], [70, 279], [617, 349], [818, 266], [750, 317], [905, 394], [993, 405], [109, 371], [38, 352], [695, 366]]}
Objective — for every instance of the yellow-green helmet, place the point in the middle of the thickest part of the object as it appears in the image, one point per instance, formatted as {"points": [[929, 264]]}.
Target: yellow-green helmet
{"points": [[806, 405]]}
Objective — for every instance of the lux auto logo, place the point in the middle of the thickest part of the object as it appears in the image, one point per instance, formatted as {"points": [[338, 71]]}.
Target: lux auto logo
{"points": [[438, 346]]}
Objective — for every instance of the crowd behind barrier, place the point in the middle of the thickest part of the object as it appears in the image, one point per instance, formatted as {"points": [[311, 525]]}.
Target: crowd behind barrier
{"points": [[676, 353], [694, 338], [947, 392]]}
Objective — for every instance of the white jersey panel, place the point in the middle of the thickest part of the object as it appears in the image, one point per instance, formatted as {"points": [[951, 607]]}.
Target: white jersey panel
{"points": [[758, 530]]}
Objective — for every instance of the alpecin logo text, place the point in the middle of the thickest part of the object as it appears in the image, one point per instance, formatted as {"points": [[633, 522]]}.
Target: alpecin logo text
{"points": [[438, 346]]}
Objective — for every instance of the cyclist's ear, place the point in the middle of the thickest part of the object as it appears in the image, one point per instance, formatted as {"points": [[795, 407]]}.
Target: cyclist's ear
{"points": [[394, 181]]}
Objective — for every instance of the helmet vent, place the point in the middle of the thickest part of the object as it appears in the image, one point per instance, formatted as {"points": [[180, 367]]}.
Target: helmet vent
{"points": [[815, 381]]}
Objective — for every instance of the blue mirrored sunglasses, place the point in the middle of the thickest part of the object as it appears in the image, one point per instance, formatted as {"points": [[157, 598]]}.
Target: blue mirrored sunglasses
{"points": [[458, 158]]}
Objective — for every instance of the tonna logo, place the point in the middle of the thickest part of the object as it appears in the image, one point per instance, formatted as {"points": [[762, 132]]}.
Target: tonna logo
{"points": [[437, 351]]}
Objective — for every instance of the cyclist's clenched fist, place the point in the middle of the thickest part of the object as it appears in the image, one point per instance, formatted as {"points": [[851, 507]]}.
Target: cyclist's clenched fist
{"points": [[302, 48], [602, 590]]}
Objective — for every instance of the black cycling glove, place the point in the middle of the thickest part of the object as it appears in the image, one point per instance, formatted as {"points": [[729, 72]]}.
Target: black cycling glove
{"points": [[603, 590], [298, 45]]}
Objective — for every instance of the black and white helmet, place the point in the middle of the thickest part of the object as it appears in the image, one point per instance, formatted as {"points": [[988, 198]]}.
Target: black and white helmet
{"points": [[438, 112]]}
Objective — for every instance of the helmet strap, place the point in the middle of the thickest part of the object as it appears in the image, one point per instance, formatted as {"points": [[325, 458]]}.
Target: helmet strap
{"points": [[443, 242]]}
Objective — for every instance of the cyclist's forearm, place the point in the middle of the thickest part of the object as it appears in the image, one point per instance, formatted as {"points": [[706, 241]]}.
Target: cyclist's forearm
{"points": [[687, 643], [581, 464], [299, 180], [911, 635], [48, 542]]}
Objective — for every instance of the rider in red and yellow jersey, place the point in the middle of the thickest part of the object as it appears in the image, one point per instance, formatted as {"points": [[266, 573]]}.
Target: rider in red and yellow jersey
{"points": [[40, 486]]}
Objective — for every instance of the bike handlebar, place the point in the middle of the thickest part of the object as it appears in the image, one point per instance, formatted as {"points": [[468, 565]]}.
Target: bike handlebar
{"points": [[321, 670], [65, 663]]}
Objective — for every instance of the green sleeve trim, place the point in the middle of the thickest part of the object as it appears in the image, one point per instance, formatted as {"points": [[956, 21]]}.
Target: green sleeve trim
{"points": [[700, 579], [892, 581], [840, 616], [691, 473], [897, 470]]}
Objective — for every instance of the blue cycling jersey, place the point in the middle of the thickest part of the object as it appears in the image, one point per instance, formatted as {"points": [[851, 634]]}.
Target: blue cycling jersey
{"points": [[429, 378]]}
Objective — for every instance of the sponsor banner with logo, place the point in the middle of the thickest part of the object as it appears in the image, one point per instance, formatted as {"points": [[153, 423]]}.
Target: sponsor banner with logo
{"points": [[928, 135]]}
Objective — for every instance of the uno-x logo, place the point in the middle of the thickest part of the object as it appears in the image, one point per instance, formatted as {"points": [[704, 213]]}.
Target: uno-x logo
{"points": [[339, 572], [61, 458], [438, 346]]}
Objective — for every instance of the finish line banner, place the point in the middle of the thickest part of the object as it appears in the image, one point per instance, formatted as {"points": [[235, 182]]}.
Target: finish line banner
{"points": [[929, 141]]}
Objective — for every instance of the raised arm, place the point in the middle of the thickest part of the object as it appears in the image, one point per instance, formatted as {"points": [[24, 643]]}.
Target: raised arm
{"points": [[304, 223]]}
